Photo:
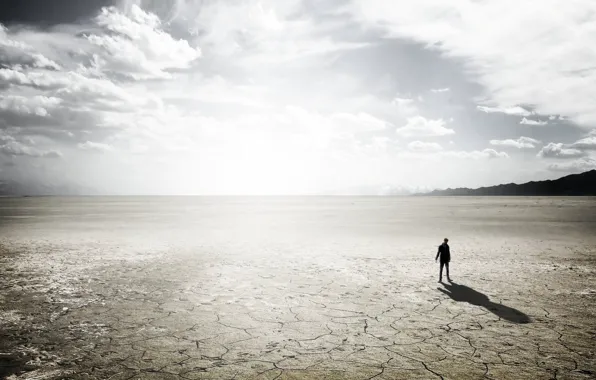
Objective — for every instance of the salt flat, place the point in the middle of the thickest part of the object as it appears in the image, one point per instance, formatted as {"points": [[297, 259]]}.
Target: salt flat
{"points": [[297, 288]]}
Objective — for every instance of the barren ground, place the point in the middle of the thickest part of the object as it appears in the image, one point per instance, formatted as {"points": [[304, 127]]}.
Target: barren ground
{"points": [[297, 288]]}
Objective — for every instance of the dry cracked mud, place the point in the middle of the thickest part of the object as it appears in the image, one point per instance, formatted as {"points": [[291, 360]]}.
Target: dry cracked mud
{"points": [[282, 290]]}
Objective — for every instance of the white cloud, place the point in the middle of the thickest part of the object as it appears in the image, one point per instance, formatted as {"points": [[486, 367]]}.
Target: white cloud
{"points": [[14, 148], [405, 106], [137, 46], [588, 143], [9, 76], [520, 143], [513, 57], [577, 166], [80, 95], [419, 126], [258, 34], [22, 53], [444, 156], [527, 121], [421, 146], [159, 110], [516, 111], [205, 112], [94, 146], [558, 150], [476, 154], [35, 105], [5, 137], [73, 88]]}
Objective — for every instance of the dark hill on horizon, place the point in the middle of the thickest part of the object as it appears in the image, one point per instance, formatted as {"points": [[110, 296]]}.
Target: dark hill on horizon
{"points": [[583, 184]]}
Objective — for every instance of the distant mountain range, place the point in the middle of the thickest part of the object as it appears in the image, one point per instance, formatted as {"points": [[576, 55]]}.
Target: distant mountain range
{"points": [[583, 184]]}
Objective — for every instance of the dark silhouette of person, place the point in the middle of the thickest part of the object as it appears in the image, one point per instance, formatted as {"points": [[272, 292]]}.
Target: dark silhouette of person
{"points": [[445, 256], [463, 293]]}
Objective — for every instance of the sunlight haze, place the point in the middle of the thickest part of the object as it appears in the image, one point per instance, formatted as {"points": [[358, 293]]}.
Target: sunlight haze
{"points": [[297, 96]]}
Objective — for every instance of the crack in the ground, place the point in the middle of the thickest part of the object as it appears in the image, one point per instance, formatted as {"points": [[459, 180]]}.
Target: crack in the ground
{"points": [[298, 336]]}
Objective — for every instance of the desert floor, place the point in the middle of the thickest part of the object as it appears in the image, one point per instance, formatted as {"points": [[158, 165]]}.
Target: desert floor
{"points": [[297, 288]]}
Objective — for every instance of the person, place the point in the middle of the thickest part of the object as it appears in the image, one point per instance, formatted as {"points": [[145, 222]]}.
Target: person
{"points": [[445, 256]]}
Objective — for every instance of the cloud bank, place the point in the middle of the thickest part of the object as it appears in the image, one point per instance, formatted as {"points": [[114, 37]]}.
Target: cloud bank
{"points": [[289, 97], [514, 59]]}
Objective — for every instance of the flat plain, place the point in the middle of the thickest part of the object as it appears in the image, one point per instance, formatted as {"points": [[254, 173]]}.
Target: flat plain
{"points": [[297, 288]]}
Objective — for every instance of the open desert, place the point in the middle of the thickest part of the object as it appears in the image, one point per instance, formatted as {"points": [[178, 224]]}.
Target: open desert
{"points": [[297, 288]]}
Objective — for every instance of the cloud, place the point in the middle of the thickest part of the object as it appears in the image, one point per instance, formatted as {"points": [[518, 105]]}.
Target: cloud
{"points": [[51, 154], [503, 56], [132, 45], [419, 126], [421, 152], [558, 150], [35, 105], [253, 33], [578, 149], [136, 46], [577, 166], [475, 155], [93, 146], [102, 69], [241, 96], [588, 143], [72, 89], [405, 106], [139, 88], [532, 122], [420, 146], [22, 53], [13, 148], [520, 143], [515, 111]]}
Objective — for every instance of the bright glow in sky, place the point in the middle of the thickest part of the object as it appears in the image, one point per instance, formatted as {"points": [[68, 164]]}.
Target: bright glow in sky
{"points": [[295, 97]]}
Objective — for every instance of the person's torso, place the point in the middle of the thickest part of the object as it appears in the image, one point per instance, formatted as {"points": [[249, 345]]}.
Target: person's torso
{"points": [[445, 254]]}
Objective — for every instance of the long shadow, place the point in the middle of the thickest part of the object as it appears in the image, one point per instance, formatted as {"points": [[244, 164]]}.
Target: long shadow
{"points": [[462, 293]]}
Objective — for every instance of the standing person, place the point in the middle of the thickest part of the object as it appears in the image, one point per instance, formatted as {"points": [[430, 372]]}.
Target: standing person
{"points": [[445, 255]]}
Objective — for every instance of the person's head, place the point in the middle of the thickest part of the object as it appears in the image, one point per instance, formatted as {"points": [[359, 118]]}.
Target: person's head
{"points": [[445, 240]]}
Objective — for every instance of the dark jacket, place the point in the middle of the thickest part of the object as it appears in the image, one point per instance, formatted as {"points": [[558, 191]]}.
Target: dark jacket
{"points": [[444, 253]]}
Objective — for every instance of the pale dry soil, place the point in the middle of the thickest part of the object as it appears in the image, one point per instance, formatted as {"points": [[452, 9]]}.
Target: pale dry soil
{"points": [[314, 288]]}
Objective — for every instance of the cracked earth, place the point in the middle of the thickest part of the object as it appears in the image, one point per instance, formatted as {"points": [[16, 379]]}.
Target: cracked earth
{"points": [[315, 288]]}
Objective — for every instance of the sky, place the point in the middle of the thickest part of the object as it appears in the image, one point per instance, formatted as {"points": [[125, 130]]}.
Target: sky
{"points": [[295, 96]]}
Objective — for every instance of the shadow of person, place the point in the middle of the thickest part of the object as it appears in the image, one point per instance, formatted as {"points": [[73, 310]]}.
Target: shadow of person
{"points": [[462, 293]]}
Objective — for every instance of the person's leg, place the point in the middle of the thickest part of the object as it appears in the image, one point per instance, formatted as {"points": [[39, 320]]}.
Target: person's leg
{"points": [[441, 271], [447, 268]]}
